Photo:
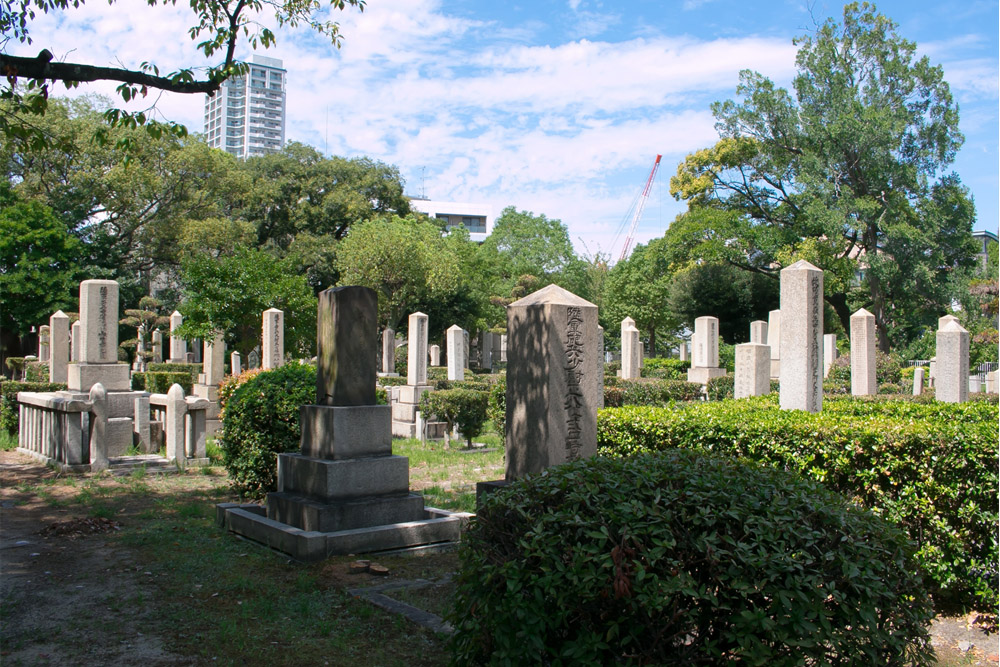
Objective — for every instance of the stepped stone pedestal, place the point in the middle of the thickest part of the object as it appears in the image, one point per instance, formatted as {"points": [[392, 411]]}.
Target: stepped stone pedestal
{"points": [[345, 492]]}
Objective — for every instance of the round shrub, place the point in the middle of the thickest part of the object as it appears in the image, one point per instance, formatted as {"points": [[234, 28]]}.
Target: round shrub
{"points": [[465, 408], [683, 558], [262, 420]]}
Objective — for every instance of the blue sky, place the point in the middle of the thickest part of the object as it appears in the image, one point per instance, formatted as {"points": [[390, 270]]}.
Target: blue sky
{"points": [[553, 107]]}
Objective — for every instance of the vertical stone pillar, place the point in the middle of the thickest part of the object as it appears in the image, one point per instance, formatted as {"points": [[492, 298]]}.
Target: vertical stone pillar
{"points": [[863, 354], [466, 358], [98, 361], [98, 427], [945, 319], [642, 356], [932, 372], [178, 346], [918, 381], [435, 352], [388, 352], [346, 347], [455, 338], [630, 350], [416, 354], [991, 382], [801, 337], [196, 346], [705, 351], [753, 370], [215, 359], [952, 381], [600, 365], [829, 352], [684, 350], [140, 422], [58, 346], [774, 341], [235, 363], [273, 341], [157, 346], [196, 436], [43, 343], [758, 334], [75, 341], [503, 348], [552, 381], [173, 425]]}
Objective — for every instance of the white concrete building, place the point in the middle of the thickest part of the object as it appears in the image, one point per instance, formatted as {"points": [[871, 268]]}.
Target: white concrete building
{"points": [[477, 218], [246, 117]]}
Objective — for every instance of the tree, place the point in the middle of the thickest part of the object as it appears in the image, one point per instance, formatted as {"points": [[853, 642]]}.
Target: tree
{"points": [[228, 294], [220, 24], [847, 173], [637, 287], [39, 267]]}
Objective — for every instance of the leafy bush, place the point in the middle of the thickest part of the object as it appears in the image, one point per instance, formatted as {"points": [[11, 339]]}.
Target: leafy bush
{"points": [[402, 355], [889, 388], [261, 421], [649, 392], [16, 366], [727, 356], [930, 467], [724, 387], [888, 369], [665, 369], [392, 381], [683, 558], [159, 382], [497, 407], [10, 414], [36, 371], [231, 383], [465, 408], [193, 370], [983, 347], [612, 367]]}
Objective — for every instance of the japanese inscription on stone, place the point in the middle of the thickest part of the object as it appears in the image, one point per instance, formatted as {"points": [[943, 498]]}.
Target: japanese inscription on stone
{"points": [[574, 374]]}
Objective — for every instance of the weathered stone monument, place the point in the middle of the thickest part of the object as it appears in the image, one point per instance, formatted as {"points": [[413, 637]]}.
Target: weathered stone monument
{"points": [[801, 337], [435, 353], [235, 363], [178, 346], [455, 338], [684, 351], [952, 382], [208, 381], [931, 371], [98, 340], [753, 370], [389, 353], [829, 352], [705, 351], [43, 343], [345, 492], [486, 350], [758, 334], [157, 346], [75, 339], [273, 340], [991, 382], [407, 399], [630, 350], [918, 381], [863, 382], [503, 348], [58, 347], [774, 342], [553, 383]]}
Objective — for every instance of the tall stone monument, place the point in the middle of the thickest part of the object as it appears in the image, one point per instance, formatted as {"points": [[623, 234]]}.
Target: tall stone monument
{"points": [[952, 381], [58, 346], [455, 337], [829, 352], [631, 354], [774, 342], [98, 340], [753, 370], [214, 370], [235, 363], [416, 344], [75, 340], [863, 381], [684, 351], [407, 401], [389, 353], [178, 346], [553, 384], [273, 341], [801, 337], [486, 350], [758, 334], [705, 351], [157, 346]]}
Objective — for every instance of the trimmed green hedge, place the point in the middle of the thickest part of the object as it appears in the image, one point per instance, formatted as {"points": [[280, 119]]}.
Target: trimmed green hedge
{"points": [[159, 382], [931, 468], [649, 392], [665, 369], [194, 370], [683, 559], [10, 414], [465, 408]]}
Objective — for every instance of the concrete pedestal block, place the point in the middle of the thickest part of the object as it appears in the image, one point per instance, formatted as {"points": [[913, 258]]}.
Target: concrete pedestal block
{"points": [[114, 377], [329, 481], [307, 514], [209, 391], [404, 412], [702, 375], [344, 432], [412, 393], [119, 436], [775, 369], [404, 429]]}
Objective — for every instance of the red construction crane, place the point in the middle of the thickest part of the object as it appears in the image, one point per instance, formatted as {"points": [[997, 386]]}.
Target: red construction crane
{"points": [[638, 205]]}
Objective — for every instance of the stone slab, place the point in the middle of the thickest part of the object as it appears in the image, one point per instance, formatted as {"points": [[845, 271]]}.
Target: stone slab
{"points": [[406, 430], [411, 394], [114, 377], [119, 436], [404, 412], [702, 375], [330, 481], [308, 514], [344, 432], [347, 346]]}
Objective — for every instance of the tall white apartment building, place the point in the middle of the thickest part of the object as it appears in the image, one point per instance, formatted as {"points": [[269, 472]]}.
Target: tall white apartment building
{"points": [[246, 116]]}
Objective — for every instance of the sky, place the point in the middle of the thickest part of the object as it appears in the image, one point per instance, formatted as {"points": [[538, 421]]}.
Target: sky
{"points": [[558, 108]]}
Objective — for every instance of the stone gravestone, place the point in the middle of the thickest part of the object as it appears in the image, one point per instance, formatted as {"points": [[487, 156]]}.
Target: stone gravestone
{"points": [[455, 338], [991, 382], [753, 370], [196, 347], [705, 351], [801, 337], [235, 363], [435, 352], [829, 352], [157, 346], [178, 346], [407, 402], [253, 359], [774, 342], [932, 371], [58, 347], [416, 343], [918, 381], [43, 343], [466, 358], [553, 384], [758, 334], [389, 353], [684, 350], [486, 350], [952, 381], [273, 341], [75, 339], [98, 340], [503, 348], [630, 350], [863, 381]]}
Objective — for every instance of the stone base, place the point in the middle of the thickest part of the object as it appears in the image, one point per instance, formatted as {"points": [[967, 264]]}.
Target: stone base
{"points": [[335, 433], [387, 375], [412, 393], [82, 376], [703, 375], [331, 481], [120, 436], [209, 391], [306, 514], [249, 521], [775, 369], [408, 430], [484, 489]]}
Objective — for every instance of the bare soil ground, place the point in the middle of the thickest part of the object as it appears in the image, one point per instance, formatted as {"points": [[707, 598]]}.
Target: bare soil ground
{"points": [[71, 594]]}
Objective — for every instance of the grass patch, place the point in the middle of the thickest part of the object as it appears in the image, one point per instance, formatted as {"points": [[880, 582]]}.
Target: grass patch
{"points": [[447, 476], [8, 441]]}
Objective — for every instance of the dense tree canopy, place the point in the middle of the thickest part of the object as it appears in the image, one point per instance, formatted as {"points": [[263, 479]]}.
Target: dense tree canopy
{"points": [[846, 171], [637, 287]]}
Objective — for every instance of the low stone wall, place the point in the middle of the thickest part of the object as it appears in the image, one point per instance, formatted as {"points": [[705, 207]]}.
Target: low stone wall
{"points": [[55, 428]]}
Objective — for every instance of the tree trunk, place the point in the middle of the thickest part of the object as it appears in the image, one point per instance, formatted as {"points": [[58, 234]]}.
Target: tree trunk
{"points": [[838, 302], [652, 342]]}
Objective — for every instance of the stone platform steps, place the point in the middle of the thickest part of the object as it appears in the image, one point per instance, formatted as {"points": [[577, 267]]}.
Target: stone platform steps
{"points": [[153, 463]]}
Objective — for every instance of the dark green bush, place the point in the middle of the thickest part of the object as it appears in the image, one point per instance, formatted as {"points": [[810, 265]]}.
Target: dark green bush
{"points": [[649, 392], [931, 468], [401, 360], [10, 414], [392, 381], [683, 559], [612, 367], [465, 408], [262, 420], [889, 388], [497, 406], [665, 369], [159, 382]]}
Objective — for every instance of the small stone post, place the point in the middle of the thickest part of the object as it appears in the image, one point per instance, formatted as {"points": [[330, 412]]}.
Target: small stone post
{"points": [[58, 346], [863, 354], [173, 425], [918, 381], [388, 352], [416, 355], [758, 334], [157, 346], [273, 342], [455, 337], [952, 382], [75, 340], [435, 352], [235, 364], [215, 359], [829, 352], [178, 346], [43, 343], [630, 350], [98, 427], [774, 341], [486, 350], [684, 350], [753, 370], [801, 337], [140, 422]]}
